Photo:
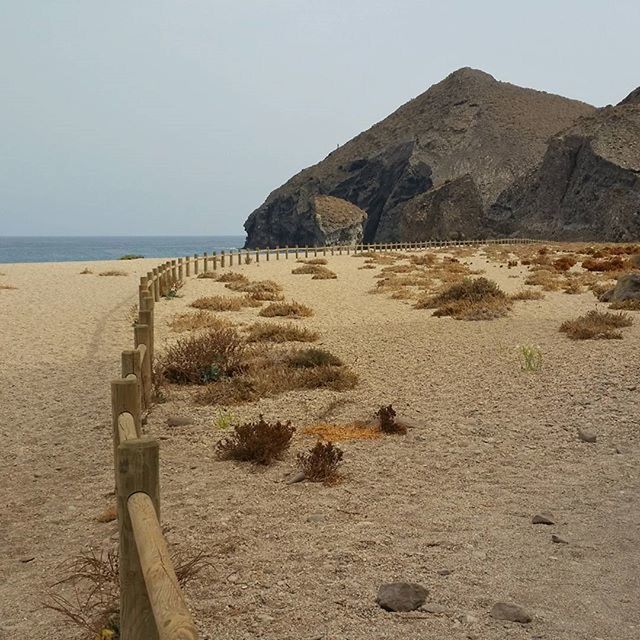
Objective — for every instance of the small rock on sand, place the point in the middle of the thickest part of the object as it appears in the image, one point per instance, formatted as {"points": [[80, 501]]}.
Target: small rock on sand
{"points": [[558, 539], [401, 596], [543, 518], [510, 612], [587, 436], [178, 421]]}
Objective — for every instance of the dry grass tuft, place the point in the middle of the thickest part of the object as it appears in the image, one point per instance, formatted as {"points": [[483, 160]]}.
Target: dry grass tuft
{"points": [[478, 299], [259, 442], [314, 261], [197, 320], [286, 309], [596, 325], [7, 287], [527, 294], [308, 358], [113, 272], [321, 463], [224, 303], [367, 266], [631, 304], [265, 290], [548, 280], [564, 263], [202, 358], [342, 432], [425, 259], [232, 276], [86, 271], [208, 275], [616, 263], [272, 332], [316, 270]]}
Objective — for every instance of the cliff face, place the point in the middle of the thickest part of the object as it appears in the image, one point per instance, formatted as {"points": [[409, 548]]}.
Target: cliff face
{"points": [[435, 165], [587, 186]]}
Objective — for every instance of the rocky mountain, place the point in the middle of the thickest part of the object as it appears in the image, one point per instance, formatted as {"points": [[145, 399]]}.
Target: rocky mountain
{"points": [[587, 186], [433, 168]]}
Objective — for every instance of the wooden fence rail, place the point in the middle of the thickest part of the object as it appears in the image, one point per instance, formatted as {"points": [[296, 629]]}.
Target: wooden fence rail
{"points": [[152, 606]]}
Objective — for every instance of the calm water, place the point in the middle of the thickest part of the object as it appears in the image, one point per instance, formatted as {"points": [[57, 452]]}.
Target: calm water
{"points": [[68, 249]]}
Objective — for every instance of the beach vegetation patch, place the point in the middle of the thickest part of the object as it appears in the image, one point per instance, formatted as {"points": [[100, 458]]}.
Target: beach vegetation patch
{"points": [[597, 325]]}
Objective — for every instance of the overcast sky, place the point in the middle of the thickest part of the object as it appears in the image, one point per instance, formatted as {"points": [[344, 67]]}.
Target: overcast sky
{"points": [[163, 117]]}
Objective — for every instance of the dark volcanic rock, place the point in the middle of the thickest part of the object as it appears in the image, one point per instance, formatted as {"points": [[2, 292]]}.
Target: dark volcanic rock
{"points": [[510, 612], [401, 596], [587, 186], [432, 167], [627, 288]]}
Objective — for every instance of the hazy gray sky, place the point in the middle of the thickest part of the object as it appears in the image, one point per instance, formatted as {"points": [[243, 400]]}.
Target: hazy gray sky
{"points": [[130, 117]]}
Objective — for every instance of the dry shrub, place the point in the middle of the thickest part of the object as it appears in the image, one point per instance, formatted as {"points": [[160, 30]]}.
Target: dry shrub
{"points": [[425, 259], [286, 309], [225, 303], [617, 263], [266, 290], [86, 271], [270, 380], [599, 288], [271, 332], [316, 270], [387, 418], [596, 325], [342, 432], [201, 358], [321, 463], [398, 268], [259, 442], [113, 272], [403, 294], [7, 287], [307, 358], [548, 280], [95, 580], [315, 261], [573, 286], [325, 274], [630, 304], [208, 275], [368, 266], [479, 299], [527, 294], [232, 276], [564, 263], [197, 320]]}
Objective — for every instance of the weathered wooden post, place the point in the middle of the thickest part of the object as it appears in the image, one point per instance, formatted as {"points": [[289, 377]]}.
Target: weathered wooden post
{"points": [[267, 251], [156, 284], [296, 250], [131, 364], [180, 269], [257, 255], [286, 252], [196, 265], [125, 398], [138, 472], [222, 259], [141, 336], [306, 252], [205, 262]]}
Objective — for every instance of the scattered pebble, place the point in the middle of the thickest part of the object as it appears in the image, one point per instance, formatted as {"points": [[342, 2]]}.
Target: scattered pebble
{"points": [[445, 572], [587, 436], [401, 596], [436, 609], [27, 559], [296, 476], [510, 612], [543, 518], [178, 421], [557, 539]]}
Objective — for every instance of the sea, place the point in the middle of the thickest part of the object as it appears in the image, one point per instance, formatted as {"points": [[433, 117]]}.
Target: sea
{"points": [[83, 248]]}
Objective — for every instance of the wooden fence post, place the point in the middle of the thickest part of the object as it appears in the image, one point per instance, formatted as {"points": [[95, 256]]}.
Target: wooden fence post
{"points": [[174, 270], [156, 284], [196, 266], [125, 398], [141, 336], [222, 259], [266, 253], [296, 250], [180, 269], [306, 252], [138, 471], [214, 260], [187, 266], [286, 252], [131, 364], [257, 256], [205, 262]]}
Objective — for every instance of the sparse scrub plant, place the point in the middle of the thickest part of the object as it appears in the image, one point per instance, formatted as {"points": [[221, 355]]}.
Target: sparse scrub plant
{"points": [[530, 357], [86, 271], [527, 294], [203, 358], [225, 303], [630, 304], [286, 309], [272, 332], [321, 463], [113, 272], [260, 442], [192, 321], [597, 325], [387, 420], [308, 358]]}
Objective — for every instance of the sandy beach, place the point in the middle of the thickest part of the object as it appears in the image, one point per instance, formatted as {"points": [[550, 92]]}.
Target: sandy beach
{"points": [[448, 506]]}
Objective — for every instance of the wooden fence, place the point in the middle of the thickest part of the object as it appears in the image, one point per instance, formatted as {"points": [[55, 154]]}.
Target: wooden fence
{"points": [[152, 606]]}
